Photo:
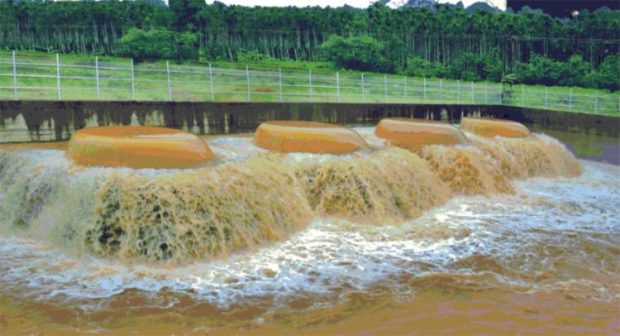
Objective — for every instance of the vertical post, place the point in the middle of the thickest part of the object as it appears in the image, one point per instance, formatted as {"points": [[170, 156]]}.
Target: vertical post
{"points": [[522, 95], [406, 96], [596, 104], [169, 81], [570, 100], [247, 80], [338, 85], [363, 89], [15, 94], [458, 91], [97, 75], [280, 84], [211, 83], [309, 84], [58, 90], [546, 96], [441, 90], [133, 82], [486, 92], [385, 88], [473, 96], [424, 89], [501, 96]]}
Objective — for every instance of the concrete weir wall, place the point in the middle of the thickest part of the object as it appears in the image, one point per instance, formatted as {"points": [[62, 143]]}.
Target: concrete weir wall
{"points": [[38, 121]]}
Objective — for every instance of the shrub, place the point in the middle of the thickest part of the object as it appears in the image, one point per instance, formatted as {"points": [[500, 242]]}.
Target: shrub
{"points": [[362, 53], [157, 44]]}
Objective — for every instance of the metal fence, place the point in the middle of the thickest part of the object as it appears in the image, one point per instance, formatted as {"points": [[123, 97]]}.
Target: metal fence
{"points": [[44, 77]]}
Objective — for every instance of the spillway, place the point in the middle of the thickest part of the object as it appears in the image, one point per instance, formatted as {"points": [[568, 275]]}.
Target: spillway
{"points": [[265, 238]]}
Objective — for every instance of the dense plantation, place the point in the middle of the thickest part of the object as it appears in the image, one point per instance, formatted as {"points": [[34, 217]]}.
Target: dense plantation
{"points": [[448, 42]]}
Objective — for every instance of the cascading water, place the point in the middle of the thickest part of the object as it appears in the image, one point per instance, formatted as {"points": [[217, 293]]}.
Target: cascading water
{"points": [[235, 205], [300, 232]]}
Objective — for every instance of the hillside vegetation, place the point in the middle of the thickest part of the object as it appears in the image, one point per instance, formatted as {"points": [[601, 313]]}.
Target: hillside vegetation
{"points": [[448, 42]]}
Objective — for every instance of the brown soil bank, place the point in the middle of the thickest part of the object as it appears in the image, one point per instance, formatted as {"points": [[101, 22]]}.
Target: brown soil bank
{"points": [[34, 121]]}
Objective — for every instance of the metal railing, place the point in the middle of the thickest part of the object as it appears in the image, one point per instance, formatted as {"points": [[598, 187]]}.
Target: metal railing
{"points": [[43, 77]]}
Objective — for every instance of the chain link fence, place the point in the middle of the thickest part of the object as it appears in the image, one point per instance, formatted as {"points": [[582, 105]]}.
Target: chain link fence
{"points": [[52, 77]]}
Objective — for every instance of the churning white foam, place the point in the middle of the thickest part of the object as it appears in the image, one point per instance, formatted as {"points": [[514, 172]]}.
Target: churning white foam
{"points": [[542, 227]]}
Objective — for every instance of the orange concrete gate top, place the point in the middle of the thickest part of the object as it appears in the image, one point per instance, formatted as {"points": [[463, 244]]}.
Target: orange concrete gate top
{"points": [[138, 147]]}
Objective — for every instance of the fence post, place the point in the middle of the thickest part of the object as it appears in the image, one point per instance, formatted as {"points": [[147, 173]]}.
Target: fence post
{"points": [[247, 80], [309, 84], [486, 92], [363, 89], [570, 99], [15, 94], [501, 96], [406, 96], [58, 90], [211, 83], [546, 96], [97, 75], [169, 81], [424, 89], [473, 95], [280, 84], [338, 85], [596, 104], [441, 90], [458, 91], [133, 82], [385, 88]]}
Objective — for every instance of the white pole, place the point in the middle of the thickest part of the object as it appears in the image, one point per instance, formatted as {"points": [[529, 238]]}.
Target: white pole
{"points": [[473, 95], [280, 84], [58, 77], [338, 86], [15, 94], [133, 82], [363, 89], [97, 75], [458, 91], [247, 79], [211, 82], [570, 100], [169, 81], [424, 88], [546, 96], [501, 94], [441, 89], [406, 99], [596, 104], [486, 92], [385, 88], [310, 84]]}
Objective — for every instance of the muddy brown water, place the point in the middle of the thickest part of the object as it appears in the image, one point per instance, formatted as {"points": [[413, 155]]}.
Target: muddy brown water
{"points": [[538, 255]]}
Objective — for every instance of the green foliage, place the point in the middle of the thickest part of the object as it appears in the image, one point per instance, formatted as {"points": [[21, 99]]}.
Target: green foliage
{"points": [[251, 56], [357, 53], [419, 67], [468, 66], [447, 41], [474, 67], [607, 76], [157, 44]]}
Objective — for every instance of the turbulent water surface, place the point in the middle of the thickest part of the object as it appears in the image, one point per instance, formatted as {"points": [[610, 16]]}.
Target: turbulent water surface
{"points": [[516, 232]]}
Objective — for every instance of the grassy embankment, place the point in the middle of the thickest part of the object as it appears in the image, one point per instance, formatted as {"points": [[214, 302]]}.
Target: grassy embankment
{"points": [[190, 81]]}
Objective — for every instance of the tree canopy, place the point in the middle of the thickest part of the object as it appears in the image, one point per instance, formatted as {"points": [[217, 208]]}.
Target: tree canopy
{"points": [[444, 38]]}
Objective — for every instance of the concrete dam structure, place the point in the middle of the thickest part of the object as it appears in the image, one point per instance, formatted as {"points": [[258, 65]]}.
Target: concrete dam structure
{"points": [[42, 121]]}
